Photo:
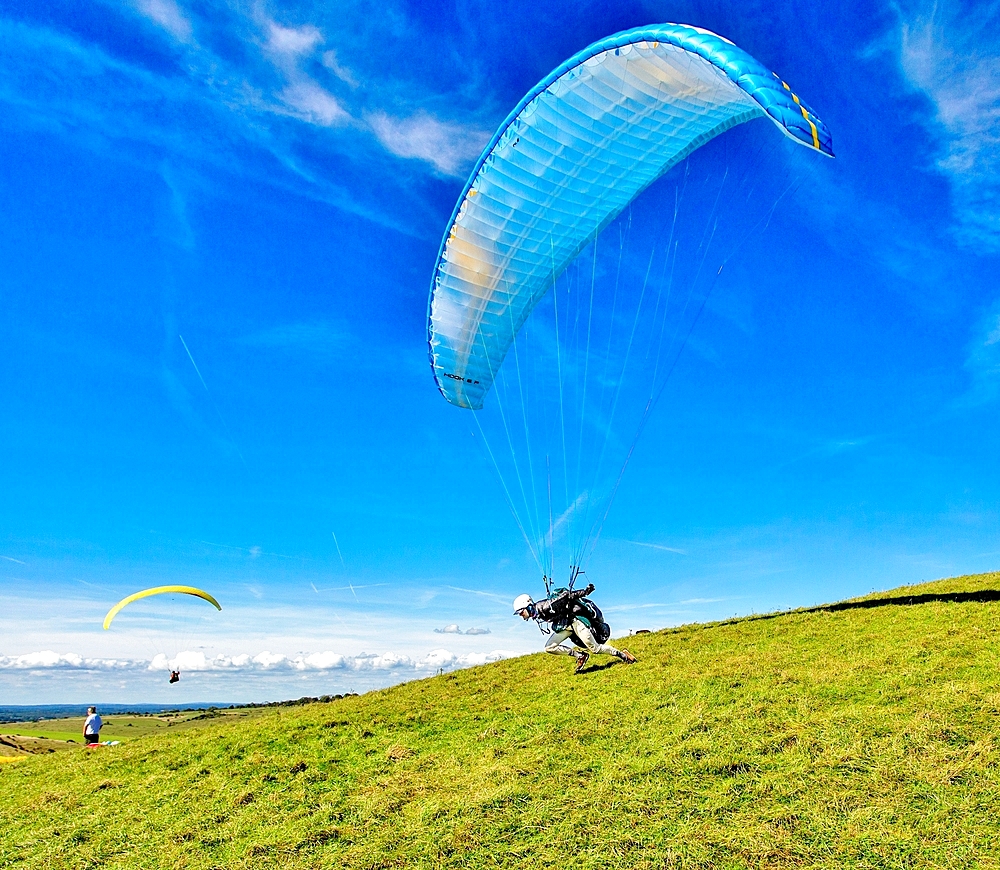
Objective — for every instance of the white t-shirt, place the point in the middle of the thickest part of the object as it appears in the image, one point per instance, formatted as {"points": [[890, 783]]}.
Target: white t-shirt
{"points": [[92, 725]]}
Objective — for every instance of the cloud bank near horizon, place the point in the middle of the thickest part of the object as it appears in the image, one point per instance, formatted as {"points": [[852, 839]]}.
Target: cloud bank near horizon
{"points": [[454, 629], [265, 661]]}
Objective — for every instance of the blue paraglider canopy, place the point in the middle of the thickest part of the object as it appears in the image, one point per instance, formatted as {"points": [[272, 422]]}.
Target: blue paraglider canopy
{"points": [[581, 145], [563, 417]]}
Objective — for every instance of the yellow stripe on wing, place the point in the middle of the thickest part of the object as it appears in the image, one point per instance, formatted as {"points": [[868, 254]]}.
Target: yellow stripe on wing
{"points": [[805, 114]]}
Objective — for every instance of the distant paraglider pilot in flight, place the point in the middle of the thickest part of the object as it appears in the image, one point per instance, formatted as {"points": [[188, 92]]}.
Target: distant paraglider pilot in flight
{"points": [[175, 676], [570, 615]]}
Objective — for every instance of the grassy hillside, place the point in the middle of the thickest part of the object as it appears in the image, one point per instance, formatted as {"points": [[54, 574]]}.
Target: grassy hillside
{"points": [[119, 726], [859, 735]]}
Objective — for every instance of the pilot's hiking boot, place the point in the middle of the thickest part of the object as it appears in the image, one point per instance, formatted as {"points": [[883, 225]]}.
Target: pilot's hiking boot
{"points": [[626, 657], [581, 662]]}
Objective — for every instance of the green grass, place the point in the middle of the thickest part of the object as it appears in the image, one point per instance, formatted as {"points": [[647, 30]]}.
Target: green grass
{"points": [[124, 727], [864, 736], [75, 736]]}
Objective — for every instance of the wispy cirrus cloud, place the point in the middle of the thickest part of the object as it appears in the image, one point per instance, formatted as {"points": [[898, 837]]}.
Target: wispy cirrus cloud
{"points": [[446, 145], [323, 340], [56, 81], [954, 58], [482, 592], [983, 360], [289, 49], [311, 103], [331, 62], [168, 15], [291, 42], [244, 91], [662, 547]]}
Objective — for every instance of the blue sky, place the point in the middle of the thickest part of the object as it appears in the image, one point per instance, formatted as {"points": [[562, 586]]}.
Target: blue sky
{"points": [[219, 225]]}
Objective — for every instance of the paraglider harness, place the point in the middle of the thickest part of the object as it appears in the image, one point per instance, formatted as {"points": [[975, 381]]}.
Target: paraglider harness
{"points": [[563, 604]]}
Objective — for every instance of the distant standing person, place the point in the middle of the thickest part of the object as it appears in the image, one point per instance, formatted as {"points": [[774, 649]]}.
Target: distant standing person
{"points": [[92, 726]]}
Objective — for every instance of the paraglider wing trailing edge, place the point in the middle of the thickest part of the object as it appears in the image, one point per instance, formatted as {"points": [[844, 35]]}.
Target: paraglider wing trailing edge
{"points": [[577, 149]]}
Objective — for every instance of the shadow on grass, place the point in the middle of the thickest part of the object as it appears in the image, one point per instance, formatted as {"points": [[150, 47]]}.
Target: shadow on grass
{"points": [[981, 596], [593, 669]]}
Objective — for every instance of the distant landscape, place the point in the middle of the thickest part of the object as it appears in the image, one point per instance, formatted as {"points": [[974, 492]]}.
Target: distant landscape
{"points": [[858, 734], [33, 712]]}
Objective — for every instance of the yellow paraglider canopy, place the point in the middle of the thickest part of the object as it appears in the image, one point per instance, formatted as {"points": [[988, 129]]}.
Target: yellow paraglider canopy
{"points": [[159, 590]]}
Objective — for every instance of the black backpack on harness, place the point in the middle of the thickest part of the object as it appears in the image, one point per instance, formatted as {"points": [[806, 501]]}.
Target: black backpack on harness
{"points": [[592, 614], [598, 627]]}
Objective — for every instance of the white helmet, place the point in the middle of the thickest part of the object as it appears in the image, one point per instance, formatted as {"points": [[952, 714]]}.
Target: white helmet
{"points": [[522, 602]]}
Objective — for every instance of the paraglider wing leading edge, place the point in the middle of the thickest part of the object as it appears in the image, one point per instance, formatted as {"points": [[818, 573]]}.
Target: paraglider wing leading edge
{"points": [[159, 590]]}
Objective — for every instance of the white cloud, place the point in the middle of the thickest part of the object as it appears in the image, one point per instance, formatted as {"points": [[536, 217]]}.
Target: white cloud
{"points": [[302, 97], [168, 15], [447, 146], [324, 661], [193, 660], [48, 659], [265, 659], [332, 63], [454, 629], [292, 41], [310, 102], [954, 59]]}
